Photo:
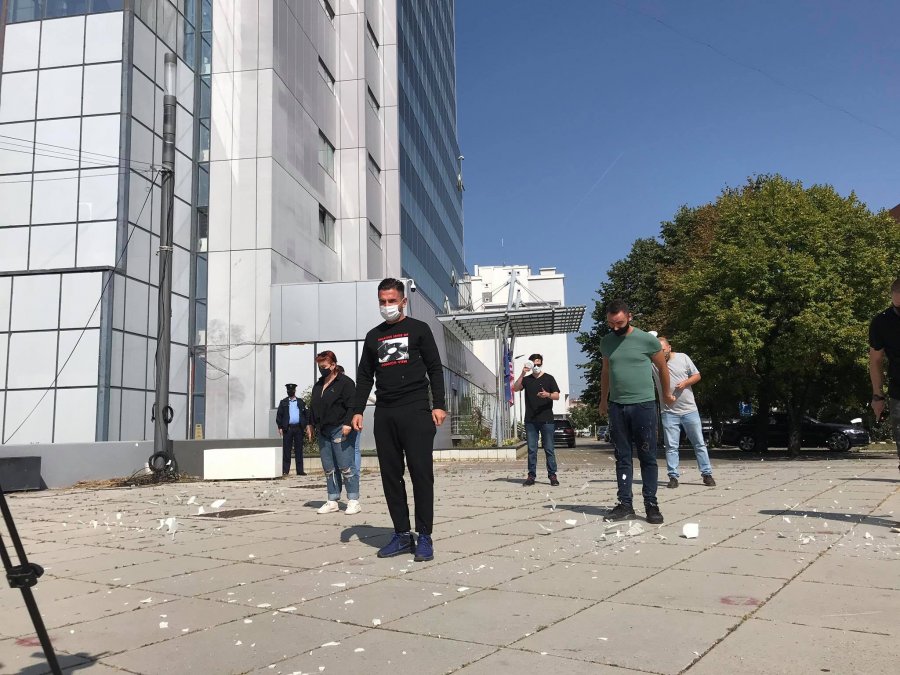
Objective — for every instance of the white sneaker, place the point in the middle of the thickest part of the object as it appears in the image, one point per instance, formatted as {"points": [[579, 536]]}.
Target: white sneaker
{"points": [[353, 507], [329, 507]]}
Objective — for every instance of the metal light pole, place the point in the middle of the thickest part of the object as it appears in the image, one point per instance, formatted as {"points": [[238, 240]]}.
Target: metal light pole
{"points": [[162, 412]]}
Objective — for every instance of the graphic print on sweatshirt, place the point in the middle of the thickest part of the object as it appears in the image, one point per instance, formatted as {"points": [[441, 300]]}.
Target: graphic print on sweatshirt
{"points": [[393, 349]]}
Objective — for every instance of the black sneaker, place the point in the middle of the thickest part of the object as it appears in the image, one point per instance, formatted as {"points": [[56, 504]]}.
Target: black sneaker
{"points": [[673, 482], [529, 481], [709, 480], [654, 517], [620, 512], [553, 479]]}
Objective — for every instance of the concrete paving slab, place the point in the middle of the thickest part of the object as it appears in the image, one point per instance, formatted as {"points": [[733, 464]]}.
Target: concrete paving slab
{"points": [[578, 580], [108, 602], [471, 618], [773, 648], [26, 657], [386, 600], [841, 607], [479, 542], [148, 571], [203, 582], [772, 564], [530, 663], [643, 553], [627, 630], [235, 647], [481, 571], [702, 592], [380, 650], [864, 572]]}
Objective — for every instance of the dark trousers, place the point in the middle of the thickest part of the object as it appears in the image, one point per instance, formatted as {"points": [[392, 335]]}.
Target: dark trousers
{"points": [[406, 432], [634, 427], [292, 439]]}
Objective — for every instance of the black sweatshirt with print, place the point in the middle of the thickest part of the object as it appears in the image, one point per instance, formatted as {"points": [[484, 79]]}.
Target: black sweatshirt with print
{"points": [[403, 357]]}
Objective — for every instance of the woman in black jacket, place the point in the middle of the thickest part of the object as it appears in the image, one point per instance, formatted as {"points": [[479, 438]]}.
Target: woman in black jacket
{"points": [[330, 415]]}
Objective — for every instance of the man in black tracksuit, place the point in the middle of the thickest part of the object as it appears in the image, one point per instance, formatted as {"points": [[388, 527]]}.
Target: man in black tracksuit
{"points": [[291, 420], [402, 356]]}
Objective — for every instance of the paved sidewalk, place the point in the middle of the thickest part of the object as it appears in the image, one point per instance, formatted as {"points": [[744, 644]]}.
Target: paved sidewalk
{"points": [[796, 570]]}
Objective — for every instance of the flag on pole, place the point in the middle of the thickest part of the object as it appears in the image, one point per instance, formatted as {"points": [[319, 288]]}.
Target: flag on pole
{"points": [[508, 376]]}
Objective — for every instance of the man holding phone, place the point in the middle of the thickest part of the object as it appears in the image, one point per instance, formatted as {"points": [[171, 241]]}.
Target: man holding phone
{"points": [[540, 392]]}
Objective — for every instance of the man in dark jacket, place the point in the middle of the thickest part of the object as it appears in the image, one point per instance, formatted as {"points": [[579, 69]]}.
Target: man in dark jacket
{"points": [[402, 355], [291, 420]]}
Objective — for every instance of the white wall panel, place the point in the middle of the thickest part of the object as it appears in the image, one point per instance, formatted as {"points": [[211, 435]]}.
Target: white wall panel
{"points": [[22, 428], [100, 141], [99, 196], [96, 244], [51, 137], [62, 42], [80, 299], [5, 299], [55, 197], [18, 92], [32, 360], [83, 355], [52, 247], [13, 249], [134, 414], [102, 88], [19, 141], [76, 415], [59, 93], [15, 195], [35, 304], [21, 46], [103, 37]]}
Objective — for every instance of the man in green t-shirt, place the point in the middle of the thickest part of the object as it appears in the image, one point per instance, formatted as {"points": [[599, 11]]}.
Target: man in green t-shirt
{"points": [[628, 397]]}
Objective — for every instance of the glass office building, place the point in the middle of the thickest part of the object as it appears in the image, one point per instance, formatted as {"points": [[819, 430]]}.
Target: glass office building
{"points": [[316, 143]]}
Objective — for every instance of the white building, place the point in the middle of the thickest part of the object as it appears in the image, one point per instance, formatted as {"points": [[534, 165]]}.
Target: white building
{"points": [[489, 287], [316, 143]]}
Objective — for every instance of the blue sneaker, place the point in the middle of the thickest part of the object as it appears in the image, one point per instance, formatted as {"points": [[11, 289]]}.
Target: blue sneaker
{"points": [[424, 548], [400, 543]]}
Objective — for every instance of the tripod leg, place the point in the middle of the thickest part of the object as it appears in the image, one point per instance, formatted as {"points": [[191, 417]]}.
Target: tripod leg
{"points": [[41, 631]]}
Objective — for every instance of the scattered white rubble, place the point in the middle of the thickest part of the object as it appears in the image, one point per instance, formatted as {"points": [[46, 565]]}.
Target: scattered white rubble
{"points": [[218, 503], [690, 530]]}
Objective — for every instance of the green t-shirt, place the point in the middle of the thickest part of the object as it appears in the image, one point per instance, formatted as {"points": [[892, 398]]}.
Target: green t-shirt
{"points": [[630, 371]]}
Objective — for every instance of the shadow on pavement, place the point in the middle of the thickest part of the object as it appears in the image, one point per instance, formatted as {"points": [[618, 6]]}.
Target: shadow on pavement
{"points": [[875, 480], [368, 534], [68, 663], [842, 517], [581, 508]]}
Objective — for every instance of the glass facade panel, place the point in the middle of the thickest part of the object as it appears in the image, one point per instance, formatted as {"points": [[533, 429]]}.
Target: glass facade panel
{"points": [[431, 206]]}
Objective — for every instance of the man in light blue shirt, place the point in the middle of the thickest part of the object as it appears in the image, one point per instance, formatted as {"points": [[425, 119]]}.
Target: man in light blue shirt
{"points": [[291, 420], [682, 414]]}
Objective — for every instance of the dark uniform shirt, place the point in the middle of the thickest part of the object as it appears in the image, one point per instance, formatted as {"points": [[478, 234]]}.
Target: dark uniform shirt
{"points": [[884, 333]]}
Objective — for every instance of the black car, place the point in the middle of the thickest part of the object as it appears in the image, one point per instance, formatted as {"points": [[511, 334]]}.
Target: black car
{"points": [[564, 433], [706, 428], [813, 434]]}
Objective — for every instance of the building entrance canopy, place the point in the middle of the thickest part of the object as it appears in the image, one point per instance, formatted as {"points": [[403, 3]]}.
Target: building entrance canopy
{"points": [[551, 320]]}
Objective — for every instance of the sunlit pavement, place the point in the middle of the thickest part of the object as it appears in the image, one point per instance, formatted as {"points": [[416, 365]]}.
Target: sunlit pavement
{"points": [[796, 569]]}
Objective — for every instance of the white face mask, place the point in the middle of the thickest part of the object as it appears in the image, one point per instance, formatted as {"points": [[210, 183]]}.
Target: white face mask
{"points": [[537, 369], [390, 312]]}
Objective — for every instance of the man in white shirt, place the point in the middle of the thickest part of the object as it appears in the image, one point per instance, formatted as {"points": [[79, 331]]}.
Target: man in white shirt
{"points": [[682, 414]]}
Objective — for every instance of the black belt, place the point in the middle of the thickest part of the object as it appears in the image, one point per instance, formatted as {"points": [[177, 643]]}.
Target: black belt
{"points": [[294, 425]]}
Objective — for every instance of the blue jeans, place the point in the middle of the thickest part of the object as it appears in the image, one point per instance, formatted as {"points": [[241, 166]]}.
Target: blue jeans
{"points": [[336, 452], [693, 429], [546, 430], [633, 427], [357, 436]]}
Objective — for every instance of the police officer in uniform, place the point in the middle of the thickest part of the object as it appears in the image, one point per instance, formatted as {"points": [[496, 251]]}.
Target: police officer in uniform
{"points": [[291, 420]]}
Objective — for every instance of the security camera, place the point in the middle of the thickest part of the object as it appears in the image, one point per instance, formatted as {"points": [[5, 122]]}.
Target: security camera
{"points": [[412, 285]]}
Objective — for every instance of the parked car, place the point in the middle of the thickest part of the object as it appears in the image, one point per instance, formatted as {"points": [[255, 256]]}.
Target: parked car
{"points": [[564, 433], [813, 434], [603, 432]]}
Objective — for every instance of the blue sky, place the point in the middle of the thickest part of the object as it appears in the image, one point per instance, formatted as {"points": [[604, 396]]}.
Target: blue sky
{"points": [[585, 123]]}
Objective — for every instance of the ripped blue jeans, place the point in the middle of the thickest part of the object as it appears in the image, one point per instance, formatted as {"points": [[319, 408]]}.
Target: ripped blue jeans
{"points": [[633, 427], [337, 454]]}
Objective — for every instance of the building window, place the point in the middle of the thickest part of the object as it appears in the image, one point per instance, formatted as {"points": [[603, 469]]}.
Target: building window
{"points": [[30, 10], [326, 154], [374, 235], [329, 10], [326, 228], [371, 35], [374, 168], [373, 102], [326, 75]]}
